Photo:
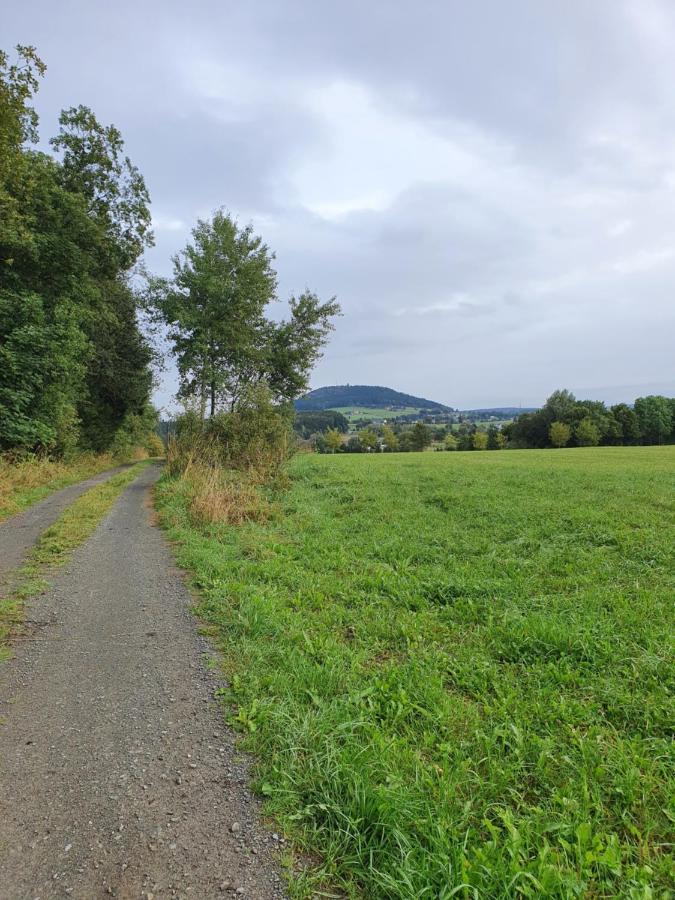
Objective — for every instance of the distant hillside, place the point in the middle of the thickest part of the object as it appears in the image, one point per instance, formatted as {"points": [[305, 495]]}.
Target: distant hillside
{"points": [[364, 395]]}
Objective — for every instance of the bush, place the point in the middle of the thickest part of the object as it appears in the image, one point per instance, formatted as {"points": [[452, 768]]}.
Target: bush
{"points": [[256, 438]]}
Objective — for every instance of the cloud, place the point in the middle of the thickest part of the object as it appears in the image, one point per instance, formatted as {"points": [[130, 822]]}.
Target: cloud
{"points": [[487, 187]]}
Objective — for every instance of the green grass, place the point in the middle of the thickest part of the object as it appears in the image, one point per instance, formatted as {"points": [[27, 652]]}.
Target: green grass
{"points": [[54, 548], [456, 670], [30, 480], [353, 413]]}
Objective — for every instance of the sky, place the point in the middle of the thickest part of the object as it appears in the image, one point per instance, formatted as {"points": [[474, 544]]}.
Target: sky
{"points": [[487, 187]]}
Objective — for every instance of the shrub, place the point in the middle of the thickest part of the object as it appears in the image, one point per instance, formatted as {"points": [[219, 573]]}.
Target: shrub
{"points": [[559, 434], [587, 433]]}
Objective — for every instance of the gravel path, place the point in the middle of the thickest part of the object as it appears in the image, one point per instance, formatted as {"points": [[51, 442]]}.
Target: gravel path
{"points": [[19, 534], [117, 776]]}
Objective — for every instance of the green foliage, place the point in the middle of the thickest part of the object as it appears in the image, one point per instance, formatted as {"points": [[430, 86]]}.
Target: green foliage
{"points": [[369, 439], [420, 436], [480, 440], [450, 442], [559, 434], [73, 363], [308, 423], [590, 422], [214, 308], [389, 439], [587, 433], [255, 438], [655, 419], [368, 396], [332, 440], [449, 670]]}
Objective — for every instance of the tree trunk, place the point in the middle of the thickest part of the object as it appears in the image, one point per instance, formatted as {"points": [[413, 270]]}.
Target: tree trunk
{"points": [[213, 398]]}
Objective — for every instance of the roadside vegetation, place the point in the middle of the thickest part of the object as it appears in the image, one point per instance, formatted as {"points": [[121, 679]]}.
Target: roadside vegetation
{"points": [[53, 549], [75, 367], [455, 671]]}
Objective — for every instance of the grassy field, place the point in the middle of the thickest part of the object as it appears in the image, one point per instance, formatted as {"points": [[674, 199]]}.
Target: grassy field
{"points": [[354, 413], [456, 670]]}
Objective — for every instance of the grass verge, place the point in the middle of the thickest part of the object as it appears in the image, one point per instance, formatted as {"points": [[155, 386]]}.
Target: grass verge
{"points": [[25, 482], [53, 549], [456, 670]]}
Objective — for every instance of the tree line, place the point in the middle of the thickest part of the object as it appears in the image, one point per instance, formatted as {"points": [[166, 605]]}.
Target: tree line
{"points": [[75, 363], [75, 368], [563, 421]]}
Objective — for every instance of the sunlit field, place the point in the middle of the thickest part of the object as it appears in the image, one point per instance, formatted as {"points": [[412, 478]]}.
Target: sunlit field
{"points": [[455, 669]]}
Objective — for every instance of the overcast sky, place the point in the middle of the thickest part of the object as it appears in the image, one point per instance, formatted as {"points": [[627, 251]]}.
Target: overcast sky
{"points": [[487, 186]]}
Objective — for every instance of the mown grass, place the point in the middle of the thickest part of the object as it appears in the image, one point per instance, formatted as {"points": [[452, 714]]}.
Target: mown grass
{"points": [[456, 670], [26, 481], [54, 548]]}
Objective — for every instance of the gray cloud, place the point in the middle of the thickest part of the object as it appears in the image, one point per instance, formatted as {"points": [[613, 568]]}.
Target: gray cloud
{"points": [[489, 188]]}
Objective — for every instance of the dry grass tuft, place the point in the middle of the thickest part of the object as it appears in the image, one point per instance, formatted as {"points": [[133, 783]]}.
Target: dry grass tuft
{"points": [[25, 480], [218, 496]]}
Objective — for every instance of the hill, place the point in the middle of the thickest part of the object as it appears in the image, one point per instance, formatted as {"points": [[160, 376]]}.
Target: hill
{"points": [[340, 396]]}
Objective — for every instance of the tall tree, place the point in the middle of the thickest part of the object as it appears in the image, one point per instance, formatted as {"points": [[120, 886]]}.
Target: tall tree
{"points": [[655, 417], [214, 307]]}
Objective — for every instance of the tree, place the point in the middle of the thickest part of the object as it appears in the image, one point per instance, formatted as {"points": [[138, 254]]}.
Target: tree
{"points": [[480, 440], [655, 418], [559, 434], [420, 436], [450, 442], [214, 307], [95, 167], [587, 433], [369, 439], [73, 363], [628, 423], [389, 439], [495, 439], [332, 439], [295, 345], [19, 81]]}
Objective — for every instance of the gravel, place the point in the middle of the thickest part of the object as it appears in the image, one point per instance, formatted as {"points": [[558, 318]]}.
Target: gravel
{"points": [[19, 534], [117, 775]]}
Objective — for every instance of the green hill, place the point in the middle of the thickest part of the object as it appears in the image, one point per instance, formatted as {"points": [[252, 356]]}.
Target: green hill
{"points": [[341, 396]]}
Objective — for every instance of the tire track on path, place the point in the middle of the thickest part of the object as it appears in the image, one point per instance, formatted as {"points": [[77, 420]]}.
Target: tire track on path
{"points": [[19, 534], [117, 775]]}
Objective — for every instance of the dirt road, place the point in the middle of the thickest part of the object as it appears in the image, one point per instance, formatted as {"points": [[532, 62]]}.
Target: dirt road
{"points": [[117, 776], [19, 534]]}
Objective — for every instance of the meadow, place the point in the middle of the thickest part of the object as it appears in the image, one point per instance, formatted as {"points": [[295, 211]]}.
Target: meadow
{"points": [[455, 670], [357, 413]]}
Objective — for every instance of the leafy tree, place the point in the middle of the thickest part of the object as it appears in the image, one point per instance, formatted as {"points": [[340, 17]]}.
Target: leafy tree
{"points": [[214, 308], [560, 406], [587, 433], [495, 439], [480, 440], [19, 82], [72, 360], [369, 439], [308, 423], [389, 439], [559, 434], [420, 436], [332, 439], [628, 423], [655, 418], [295, 345], [95, 167], [450, 442]]}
